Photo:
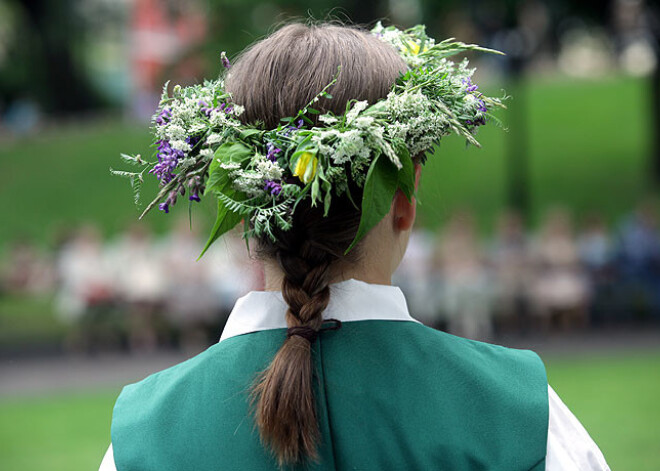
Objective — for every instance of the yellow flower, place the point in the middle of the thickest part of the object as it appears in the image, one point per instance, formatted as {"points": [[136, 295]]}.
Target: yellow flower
{"points": [[414, 48], [305, 168]]}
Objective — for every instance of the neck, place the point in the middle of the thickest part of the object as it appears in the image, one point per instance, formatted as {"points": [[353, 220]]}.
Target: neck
{"points": [[379, 255], [273, 276]]}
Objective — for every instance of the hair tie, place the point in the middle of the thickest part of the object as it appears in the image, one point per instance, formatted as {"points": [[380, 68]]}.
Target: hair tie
{"points": [[310, 334], [303, 331]]}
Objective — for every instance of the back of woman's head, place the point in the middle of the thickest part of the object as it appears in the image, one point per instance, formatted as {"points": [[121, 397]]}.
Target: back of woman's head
{"points": [[274, 79]]}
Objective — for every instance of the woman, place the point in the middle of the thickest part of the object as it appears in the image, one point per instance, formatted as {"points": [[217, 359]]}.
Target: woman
{"points": [[326, 369]]}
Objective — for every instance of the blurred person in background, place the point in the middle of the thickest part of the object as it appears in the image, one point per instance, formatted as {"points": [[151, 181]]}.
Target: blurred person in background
{"points": [[86, 294], [232, 273], [508, 256], [140, 281], [638, 261], [559, 290], [26, 270], [416, 279], [466, 291], [596, 252], [189, 303]]}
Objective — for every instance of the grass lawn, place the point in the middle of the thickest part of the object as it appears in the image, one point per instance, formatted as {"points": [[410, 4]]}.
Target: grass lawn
{"points": [[588, 145], [59, 433], [615, 397]]}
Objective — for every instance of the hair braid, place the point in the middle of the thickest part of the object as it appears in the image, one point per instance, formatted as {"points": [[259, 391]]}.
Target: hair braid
{"points": [[274, 79], [285, 409]]}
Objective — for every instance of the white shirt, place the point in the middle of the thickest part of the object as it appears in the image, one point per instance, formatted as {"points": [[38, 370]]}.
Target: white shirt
{"points": [[570, 448]]}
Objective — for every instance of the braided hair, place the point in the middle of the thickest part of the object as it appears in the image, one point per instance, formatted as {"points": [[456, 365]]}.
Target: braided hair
{"points": [[274, 79]]}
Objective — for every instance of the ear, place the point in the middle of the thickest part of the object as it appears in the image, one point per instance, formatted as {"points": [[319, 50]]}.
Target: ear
{"points": [[405, 211], [418, 174]]}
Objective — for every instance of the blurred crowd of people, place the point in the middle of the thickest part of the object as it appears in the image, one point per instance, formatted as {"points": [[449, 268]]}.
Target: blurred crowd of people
{"points": [[556, 278], [136, 291], [140, 292]]}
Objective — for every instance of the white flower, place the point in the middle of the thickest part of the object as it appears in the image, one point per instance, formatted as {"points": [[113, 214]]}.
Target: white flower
{"points": [[249, 183], [357, 108], [327, 119], [174, 132], [238, 110], [218, 118], [229, 165], [197, 128], [268, 169], [181, 145], [206, 152], [214, 138], [364, 122], [349, 144]]}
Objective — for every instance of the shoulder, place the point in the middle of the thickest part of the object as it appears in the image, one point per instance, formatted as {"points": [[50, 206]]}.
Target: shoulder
{"points": [[452, 390], [435, 360], [232, 360], [441, 349], [209, 393], [514, 374]]}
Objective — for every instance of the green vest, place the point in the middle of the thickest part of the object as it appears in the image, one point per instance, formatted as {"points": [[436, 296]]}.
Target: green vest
{"points": [[390, 396]]}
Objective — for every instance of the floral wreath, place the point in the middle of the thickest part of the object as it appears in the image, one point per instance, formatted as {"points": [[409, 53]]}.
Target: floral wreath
{"points": [[260, 175]]}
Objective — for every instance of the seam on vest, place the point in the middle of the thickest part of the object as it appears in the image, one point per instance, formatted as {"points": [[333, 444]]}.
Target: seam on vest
{"points": [[327, 406], [533, 468]]}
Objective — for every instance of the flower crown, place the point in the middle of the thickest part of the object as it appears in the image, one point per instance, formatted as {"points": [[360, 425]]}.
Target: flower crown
{"points": [[260, 175]]}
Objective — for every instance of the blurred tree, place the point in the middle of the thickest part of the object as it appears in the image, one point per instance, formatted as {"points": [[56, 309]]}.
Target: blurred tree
{"points": [[237, 23], [41, 61], [653, 16]]}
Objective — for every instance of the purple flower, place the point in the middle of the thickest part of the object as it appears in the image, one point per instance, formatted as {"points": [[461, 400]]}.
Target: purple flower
{"points": [[168, 159], [274, 187], [193, 141], [171, 198], [225, 62], [208, 109], [482, 105], [471, 87], [272, 152], [164, 207], [477, 122], [196, 187], [164, 116]]}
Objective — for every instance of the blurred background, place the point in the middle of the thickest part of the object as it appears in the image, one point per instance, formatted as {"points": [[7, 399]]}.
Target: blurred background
{"points": [[546, 238]]}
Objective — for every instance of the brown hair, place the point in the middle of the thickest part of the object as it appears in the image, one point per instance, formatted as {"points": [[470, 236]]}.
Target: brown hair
{"points": [[273, 79]]}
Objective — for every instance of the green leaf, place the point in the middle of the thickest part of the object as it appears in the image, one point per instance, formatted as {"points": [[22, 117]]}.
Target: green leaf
{"points": [[379, 189], [326, 203], [224, 222], [136, 184], [406, 179], [135, 160], [234, 152], [316, 191], [248, 133], [123, 174]]}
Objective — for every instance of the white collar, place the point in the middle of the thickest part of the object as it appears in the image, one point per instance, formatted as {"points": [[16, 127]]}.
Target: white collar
{"points": [[350, 300]]}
